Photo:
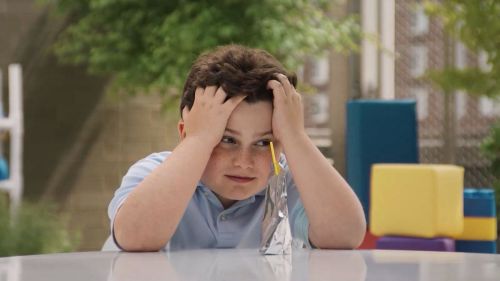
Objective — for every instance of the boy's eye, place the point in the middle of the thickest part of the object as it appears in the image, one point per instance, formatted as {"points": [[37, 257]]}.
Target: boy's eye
{"points": [[226, 139], [263, 143]]}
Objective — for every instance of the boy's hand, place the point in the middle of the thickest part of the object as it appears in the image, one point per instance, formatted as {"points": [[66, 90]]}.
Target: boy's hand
{"points": [[208, 116], [288, 113]]}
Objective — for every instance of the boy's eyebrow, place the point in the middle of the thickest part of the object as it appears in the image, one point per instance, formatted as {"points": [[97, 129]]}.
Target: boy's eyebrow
{"points": [[257, 134]]}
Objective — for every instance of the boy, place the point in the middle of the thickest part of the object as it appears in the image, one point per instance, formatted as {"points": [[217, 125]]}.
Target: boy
{"points": [[209, 191]]}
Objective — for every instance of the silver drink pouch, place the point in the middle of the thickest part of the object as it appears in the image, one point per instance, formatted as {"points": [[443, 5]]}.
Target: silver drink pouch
{"points": [[276, 233]]}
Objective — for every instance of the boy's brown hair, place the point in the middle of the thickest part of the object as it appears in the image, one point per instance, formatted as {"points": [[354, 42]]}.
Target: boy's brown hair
{"points": [[238, 70]]}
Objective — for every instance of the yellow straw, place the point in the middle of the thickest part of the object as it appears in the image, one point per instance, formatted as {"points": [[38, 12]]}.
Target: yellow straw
{"points": [[275, 163]]}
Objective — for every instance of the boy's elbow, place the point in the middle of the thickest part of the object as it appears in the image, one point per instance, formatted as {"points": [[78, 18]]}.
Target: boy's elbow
{"points": [[348, 237], [132, 241], [136, 245], [358, 232], [344, 243], [357, 239]]}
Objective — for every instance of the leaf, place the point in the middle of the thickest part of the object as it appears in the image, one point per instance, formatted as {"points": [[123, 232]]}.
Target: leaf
{"points": [[149, 45]]}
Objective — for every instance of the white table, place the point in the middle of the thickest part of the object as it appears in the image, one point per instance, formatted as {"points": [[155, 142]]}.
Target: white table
{"points": [[234, 264]]}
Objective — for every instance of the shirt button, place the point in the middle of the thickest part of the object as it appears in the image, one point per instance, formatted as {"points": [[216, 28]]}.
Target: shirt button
{"points": [[223, 217]]}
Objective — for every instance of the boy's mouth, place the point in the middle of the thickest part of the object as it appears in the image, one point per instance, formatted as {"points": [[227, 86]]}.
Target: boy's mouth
{"points": [[240, 179]]}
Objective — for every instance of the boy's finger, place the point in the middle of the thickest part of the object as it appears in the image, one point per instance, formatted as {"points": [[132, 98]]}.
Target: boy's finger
{"points": [[198, 92], [285, 83], [277, 88], [234, 101], [220, 95], [210, 91]]}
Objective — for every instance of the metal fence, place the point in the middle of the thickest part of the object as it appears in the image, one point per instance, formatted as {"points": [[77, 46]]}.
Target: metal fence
{"points": [[451, 127]]}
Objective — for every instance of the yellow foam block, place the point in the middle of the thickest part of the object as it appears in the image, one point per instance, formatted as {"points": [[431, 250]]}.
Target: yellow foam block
{"points": [[416, 200], [479, 228]]}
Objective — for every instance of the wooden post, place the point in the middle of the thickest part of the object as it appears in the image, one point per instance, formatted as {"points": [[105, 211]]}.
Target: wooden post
{"points": [[339, 91]]}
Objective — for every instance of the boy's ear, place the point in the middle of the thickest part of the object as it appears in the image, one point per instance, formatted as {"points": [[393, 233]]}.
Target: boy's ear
{"points": [[181, 129], [180, 125]]}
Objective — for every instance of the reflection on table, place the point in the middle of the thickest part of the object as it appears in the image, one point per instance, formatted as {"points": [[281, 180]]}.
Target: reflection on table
{"points": [[240, 265], [249, 264]]}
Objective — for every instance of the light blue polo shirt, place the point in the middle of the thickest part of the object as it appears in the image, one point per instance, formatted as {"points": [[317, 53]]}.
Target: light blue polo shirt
{"points": [[206, 224]]}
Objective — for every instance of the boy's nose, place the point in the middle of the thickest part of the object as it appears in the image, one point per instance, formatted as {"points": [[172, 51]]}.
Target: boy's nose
{"points": [[243, 158]]}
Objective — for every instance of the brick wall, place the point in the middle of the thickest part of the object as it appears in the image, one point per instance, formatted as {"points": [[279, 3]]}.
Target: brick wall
{"points": [[78, 142], [122, 132]]}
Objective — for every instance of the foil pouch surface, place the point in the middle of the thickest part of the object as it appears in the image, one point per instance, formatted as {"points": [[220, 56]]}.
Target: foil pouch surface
{"points": [[276, 233]]}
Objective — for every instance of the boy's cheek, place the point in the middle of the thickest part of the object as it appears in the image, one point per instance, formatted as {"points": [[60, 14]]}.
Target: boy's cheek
{"points": [[267, 165], [271, 173]]}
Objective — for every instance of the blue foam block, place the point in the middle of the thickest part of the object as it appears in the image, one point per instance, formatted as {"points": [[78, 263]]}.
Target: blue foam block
{"points": [[378, 131], [4, 169], [476, 246], [479, 202]]}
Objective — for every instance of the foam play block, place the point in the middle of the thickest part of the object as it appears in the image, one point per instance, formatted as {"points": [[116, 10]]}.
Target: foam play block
{"points": [[416, 200], [479, 202], [477, 228], [489, 247], [4, 168], [418, 244], [378, 131], [369, 242]]}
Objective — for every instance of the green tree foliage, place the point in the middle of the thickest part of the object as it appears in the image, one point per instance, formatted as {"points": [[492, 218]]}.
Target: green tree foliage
{"points": [[35, 229], [491, 149], [477, 25], [149, 45]]}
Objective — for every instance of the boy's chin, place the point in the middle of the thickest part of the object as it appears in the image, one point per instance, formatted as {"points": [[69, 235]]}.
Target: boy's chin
{"points": [[236, 196]]}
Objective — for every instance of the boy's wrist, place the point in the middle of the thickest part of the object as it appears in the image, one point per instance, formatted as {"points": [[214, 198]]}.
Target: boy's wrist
{"points": [[199, 143], [295, 141]]}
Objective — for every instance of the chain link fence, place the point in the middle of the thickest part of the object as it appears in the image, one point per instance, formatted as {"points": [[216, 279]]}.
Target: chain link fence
{"points": [[451, 127]]}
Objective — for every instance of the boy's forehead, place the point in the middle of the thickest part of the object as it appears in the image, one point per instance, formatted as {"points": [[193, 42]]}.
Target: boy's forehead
{"points": [[253, 109], [247, 131], [251, 118]]}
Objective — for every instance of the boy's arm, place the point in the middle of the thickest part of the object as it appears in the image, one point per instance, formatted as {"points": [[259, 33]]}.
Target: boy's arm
{"points": [[149, 217], [152, 211], [335, 214]]}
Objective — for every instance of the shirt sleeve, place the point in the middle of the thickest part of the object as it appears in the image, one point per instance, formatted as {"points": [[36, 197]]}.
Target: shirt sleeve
{"points": [[135, 175]]}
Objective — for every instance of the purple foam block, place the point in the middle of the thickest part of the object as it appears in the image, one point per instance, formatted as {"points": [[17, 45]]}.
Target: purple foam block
{"points": [[413, 243]]}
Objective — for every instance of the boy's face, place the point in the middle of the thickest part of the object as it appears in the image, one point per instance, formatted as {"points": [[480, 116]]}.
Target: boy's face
{"points": [[240, 165]]}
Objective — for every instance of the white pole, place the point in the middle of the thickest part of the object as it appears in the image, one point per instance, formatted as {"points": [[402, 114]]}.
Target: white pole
{"points": [[2, 112], [460, 96], [1, 94], [369, 57], [16, 115], [387, 31]]}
